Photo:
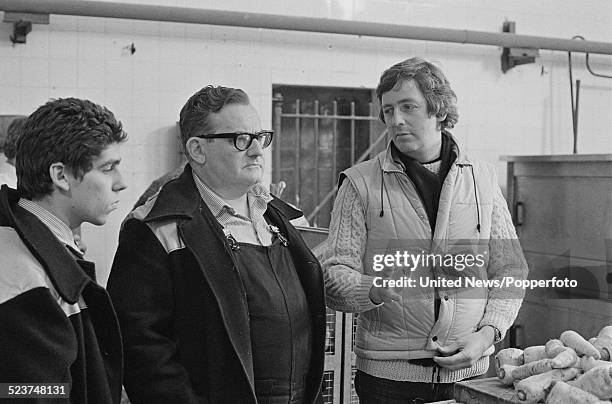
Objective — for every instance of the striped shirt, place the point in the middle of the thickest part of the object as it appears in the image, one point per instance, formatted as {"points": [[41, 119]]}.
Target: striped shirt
{"points": [[59, 229], [253, 229]]}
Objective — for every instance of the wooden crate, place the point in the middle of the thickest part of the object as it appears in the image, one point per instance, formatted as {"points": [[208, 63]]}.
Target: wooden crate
{"points": [[484, 391]]}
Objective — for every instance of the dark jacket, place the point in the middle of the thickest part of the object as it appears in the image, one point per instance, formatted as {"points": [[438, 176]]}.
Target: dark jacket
{"points": [[56, 324], [182, 307]]}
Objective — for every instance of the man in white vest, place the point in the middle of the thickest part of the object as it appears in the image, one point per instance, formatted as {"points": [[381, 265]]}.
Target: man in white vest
{"points": [[420, 243]]}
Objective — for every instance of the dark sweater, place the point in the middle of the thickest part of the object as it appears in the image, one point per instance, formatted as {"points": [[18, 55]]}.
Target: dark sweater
{"points": [[427, 183]]}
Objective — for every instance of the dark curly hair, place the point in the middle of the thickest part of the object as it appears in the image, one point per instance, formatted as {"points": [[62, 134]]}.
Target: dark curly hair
{"points": [[441, 99], [67, 130], [194, 114], [12, 134]]}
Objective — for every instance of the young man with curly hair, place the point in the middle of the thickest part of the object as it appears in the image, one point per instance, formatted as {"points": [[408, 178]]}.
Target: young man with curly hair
{"points": [[58, 324]]}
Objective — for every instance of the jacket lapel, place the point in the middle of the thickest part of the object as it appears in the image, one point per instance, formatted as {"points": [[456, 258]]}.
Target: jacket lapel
{"points": [[223, 279], [65, 274], [203, 236]]}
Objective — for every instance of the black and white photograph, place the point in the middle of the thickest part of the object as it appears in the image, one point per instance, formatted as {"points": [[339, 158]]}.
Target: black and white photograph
{"points": [[306, 202]]}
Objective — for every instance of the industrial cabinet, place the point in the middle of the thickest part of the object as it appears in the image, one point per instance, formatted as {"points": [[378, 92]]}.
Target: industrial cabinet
{"points": [[562, 209]]}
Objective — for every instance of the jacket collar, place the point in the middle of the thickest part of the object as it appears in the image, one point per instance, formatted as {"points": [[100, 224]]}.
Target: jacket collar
{"points": [[180, 198], [65, 273], [390, 164]]}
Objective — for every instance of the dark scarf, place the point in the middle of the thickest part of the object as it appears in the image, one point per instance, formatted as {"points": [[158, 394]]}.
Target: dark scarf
{"points": [[428, 184]]}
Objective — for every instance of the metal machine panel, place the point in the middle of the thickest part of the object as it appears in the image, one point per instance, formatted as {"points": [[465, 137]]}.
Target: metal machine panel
{"points": [[562, 210]]}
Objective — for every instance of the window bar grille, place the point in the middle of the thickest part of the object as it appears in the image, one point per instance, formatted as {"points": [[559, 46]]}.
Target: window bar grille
{"points": [[352, 133], [298, 142], [316, 157], [354, 398], [348, 358], [334, 138], [330, 332], [371, 124], [278, 114], [328, 387]]}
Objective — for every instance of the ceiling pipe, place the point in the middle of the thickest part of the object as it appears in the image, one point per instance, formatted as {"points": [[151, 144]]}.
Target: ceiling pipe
{"points": [[291, 23]]}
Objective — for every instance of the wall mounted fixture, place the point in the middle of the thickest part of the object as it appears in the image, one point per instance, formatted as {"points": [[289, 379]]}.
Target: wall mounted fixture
{"points": [[22, 24], [20, 30], [515, 56]]}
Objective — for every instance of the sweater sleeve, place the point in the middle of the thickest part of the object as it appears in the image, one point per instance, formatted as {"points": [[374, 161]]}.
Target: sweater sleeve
{"points": [[506, 260], [141, 287], [347, 287]]}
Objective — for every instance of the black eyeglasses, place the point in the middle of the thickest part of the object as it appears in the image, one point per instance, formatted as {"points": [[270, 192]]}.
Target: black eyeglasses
{"points": [[243, 140]]}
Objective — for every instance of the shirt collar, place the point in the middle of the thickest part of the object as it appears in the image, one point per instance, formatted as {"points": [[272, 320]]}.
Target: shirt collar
{"points": [[210, 197], [54, 223], [257, 194]]}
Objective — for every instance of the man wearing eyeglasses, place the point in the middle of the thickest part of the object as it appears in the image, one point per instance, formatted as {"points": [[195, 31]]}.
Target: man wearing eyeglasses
{"points": [[218, 297]]}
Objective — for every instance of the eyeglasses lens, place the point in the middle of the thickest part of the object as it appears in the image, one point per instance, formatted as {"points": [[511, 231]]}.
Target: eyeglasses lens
{"points": [[244, 140]]}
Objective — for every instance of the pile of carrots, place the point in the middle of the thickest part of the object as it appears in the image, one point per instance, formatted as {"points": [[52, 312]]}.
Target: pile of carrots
{"points": [[568, 370]]}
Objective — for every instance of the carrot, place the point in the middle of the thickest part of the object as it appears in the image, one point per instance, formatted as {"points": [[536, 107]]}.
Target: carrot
{"points": [[606, 331], [582, 347], [505, 374], [563, 393], [597, 381], [603, 344], [534, 353], [509, 356], [587, 363], [554, 347], [534, 388], [565, 359], [532, 368]]}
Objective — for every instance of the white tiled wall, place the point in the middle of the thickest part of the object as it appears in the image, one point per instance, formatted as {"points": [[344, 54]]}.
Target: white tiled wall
{"points": [[525, 111]]}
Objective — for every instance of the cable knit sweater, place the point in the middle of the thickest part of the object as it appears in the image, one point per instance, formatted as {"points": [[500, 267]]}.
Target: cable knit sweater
{"points": [[348, 287]]}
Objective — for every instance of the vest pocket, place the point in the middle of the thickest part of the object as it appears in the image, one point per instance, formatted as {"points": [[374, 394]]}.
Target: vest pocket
{"points": [[467, 316]]}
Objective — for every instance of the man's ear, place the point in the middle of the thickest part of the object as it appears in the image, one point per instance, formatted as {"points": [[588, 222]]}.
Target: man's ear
{"points": [[195, 151], [440, 119], [59, 176]]}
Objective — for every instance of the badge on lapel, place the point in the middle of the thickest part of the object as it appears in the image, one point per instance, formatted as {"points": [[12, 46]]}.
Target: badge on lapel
{"points": [[276, 233]]}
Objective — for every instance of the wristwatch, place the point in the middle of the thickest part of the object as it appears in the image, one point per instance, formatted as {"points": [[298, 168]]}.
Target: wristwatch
{"points": [[496, 333]]}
